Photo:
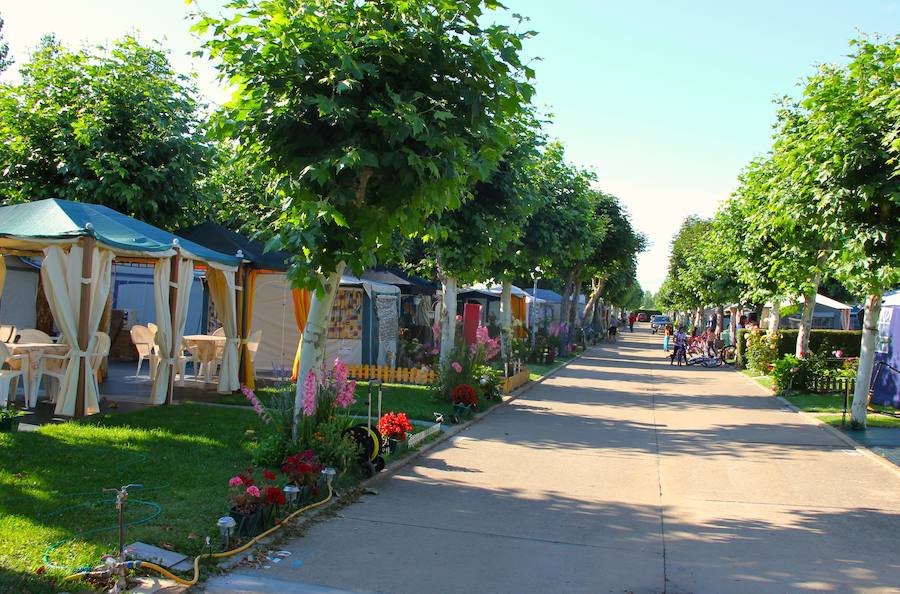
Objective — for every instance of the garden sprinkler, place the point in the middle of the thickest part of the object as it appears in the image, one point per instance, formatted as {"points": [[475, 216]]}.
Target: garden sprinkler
{"points": [[117, 566]]}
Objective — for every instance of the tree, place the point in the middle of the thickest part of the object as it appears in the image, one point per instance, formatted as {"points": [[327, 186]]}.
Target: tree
{"points": [[844, 152], [114, 126], [367, 118], [5, 60], [647, 301]]}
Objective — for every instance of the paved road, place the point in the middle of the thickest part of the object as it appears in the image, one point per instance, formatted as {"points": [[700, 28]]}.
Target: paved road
{"points": [[618, 474]]}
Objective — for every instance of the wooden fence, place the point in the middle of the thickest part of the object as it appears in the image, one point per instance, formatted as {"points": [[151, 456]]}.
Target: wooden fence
{"points": [[393, 375], [514, 381]]}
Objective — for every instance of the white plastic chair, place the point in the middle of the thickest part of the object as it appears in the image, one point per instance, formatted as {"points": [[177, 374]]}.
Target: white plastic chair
{"points": [[7, 333], [143, 342], [53, 367], [9, 378], [31, 335], [100, 351]]}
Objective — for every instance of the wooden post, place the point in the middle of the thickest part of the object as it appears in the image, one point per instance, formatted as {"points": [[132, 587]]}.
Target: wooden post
{"points": [[84, 316], [173, 298]]}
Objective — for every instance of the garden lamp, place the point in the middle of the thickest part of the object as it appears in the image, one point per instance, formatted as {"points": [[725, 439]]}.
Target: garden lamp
{"points": [[226, 526], [329, 473], [291, 493]]}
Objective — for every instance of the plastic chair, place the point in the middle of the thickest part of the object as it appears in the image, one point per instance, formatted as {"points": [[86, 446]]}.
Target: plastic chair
{"points": [[100, 351], [7, 333], [9, 378], [143, 341], [57, 372], [31, 335]]}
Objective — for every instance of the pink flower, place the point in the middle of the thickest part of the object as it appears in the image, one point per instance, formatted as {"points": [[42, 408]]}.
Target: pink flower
{"points": [[458, 318], [309, 394], [235, 481], [838, 353], [346, 395], [253, 491], [456, 367]]}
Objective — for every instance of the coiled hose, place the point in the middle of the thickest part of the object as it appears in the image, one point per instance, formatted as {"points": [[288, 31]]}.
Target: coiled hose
{"points": [[193, 581]]}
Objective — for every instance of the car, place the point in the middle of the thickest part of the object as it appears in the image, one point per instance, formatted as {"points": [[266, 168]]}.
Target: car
{"points": [[643, 317], [657, 322]]}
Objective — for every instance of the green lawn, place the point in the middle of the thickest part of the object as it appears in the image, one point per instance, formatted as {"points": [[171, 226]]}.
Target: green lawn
{"points": [[538, 370], [763, 380], [416, 401], [832, 405], [51, 481]]}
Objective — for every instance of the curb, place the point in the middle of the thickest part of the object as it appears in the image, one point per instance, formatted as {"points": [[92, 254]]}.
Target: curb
{"points": [[840, 435]]}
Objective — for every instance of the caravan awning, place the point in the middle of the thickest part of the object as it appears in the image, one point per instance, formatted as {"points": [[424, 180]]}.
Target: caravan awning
{"points": [[218, 238], [409, 284], [31, 226]]}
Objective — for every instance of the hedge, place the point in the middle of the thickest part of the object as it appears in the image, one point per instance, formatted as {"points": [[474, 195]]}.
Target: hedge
{"points": [[845, 340]]}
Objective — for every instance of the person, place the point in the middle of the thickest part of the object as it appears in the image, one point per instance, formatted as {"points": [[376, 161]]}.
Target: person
{"points": [[613, 328], [679, 353], [710, 337], [667, 337], [631, 320]]}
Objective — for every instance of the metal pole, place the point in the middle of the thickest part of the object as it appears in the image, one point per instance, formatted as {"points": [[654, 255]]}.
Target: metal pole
{"points": [[242, 275], [84, 315]]}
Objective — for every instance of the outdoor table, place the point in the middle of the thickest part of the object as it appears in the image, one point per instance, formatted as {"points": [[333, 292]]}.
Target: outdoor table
{"points": [[203, 347], [34, 350]]}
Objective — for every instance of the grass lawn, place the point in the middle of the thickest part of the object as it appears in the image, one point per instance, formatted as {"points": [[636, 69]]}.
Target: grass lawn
{"points": [[50, 483], [763, 380], [539, 370], [416, 401], [831, 406]]}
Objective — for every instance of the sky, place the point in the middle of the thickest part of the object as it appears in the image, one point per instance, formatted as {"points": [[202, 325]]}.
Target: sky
{"points": [[666, 101]]}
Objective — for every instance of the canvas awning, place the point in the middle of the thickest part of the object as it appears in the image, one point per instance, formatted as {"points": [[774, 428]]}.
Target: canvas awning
{"points": [[409, 284], [31, 226], [218, 238]]}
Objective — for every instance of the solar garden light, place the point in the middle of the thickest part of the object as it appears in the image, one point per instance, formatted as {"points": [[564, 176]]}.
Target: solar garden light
{"points": [[226, 526], [291, 494], [329, 473]]}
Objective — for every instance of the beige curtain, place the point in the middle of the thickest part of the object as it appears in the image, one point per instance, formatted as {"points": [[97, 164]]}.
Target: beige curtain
{"points": [[62, 277], [222, 291], [2, 273], [167, 328]]}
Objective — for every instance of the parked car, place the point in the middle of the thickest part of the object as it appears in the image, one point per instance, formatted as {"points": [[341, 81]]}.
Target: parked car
{"points": [[643, 317], [657, 322]]}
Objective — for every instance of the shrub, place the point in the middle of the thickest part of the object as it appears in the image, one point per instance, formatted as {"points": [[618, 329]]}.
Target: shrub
{"points": [[847, 341], [302, 469], [784, 371], [762, 350], [464, 394]]}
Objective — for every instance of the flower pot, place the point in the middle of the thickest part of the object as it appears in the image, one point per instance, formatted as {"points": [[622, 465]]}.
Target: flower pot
{"points": [[9, 425], [248, 524], [396, 446], [462, 411]]}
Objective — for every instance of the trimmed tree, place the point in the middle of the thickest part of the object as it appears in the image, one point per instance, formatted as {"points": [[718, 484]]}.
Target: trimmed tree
{"points": [[367, 119]]}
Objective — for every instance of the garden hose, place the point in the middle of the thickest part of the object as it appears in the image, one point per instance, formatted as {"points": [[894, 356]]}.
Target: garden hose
{"points": [[193, 581]]}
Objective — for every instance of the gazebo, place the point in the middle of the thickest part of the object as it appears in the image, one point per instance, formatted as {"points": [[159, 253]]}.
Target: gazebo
{"points": [[78, 243]]}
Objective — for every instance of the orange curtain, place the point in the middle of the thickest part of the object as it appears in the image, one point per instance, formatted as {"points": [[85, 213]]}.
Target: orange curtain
{"points": [[248, 374], [518, 312], [302, 299]]}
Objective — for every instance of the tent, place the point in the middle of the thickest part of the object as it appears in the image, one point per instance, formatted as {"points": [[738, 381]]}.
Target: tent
{"points": [[78, 242], [409, 284], [886, 384], [828, 314], [417, 298]]}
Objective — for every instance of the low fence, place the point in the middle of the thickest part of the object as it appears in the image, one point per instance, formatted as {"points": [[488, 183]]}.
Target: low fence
{"points": [[393, 375], [828, 385], [516, 380]]}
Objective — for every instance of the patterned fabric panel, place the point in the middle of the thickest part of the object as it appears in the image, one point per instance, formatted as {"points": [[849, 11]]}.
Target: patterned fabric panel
{"points": [[346, 315]]}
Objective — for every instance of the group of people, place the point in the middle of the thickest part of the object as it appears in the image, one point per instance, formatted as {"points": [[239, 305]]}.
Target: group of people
{"points": [[679, 342], [614, 322]]}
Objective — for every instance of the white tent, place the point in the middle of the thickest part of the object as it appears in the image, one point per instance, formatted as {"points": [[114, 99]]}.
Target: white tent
{"points": [[828, 313]]}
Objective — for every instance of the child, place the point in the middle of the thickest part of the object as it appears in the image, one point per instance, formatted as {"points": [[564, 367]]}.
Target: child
{"points": [[666, 339], [679, 353]]}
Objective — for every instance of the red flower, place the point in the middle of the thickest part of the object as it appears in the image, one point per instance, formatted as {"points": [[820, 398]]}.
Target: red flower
{"points": [[302, 468], [269, 474], [275, 495], [464, 394], [394, 425]]}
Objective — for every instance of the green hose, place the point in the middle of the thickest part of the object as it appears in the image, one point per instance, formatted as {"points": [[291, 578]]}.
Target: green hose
{"points": [[156, 511]]}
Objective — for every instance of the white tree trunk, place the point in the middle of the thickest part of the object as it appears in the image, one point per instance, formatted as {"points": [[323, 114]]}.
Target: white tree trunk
{"points": [[448, 318], [505, 318], [866, 360], [698, 318], [809, 306], [733, 325], [312, 352], [720, 314], [588, 315], [775, 315]]}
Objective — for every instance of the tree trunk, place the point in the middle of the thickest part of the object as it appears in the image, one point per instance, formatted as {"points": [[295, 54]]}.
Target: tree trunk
{"points": [[312, 350], [775, 315], [448, 318], [809, 306], [866, 360], [698, 318], [505, 319], [732, 327], [588, 317], [566, 300], [720, 314]]}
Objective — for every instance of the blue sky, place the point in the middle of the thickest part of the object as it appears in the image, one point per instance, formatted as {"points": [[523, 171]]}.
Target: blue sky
{"points": [[665, 100]]}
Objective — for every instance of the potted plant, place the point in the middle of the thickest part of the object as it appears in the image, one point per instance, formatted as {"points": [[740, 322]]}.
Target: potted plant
{"points": [[464, 401], [393, 427], [9, 420], [303, 470], [246, 501]]}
